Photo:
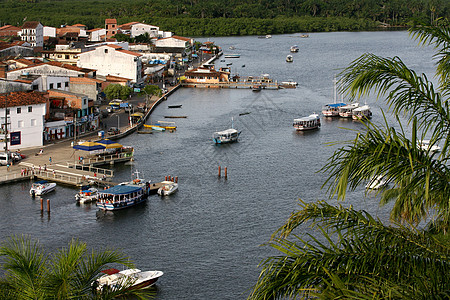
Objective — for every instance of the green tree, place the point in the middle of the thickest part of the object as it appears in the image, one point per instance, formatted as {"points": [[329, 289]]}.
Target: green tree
{"points": [[354, 256], [66, 274], [419, 179], [117, 91], [152, 90]]}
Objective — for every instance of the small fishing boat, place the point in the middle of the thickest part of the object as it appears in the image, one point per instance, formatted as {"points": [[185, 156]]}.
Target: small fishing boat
{"points": [[346, 111], [256, 87], [289, 58], [427, 146], [232, 55], [362, 113], [175, 106], [42, 187], [304, 36], [244, 113], [268, 36], [87, 195], [154, 127], [227, 136], [166, 125], [114, 279], [295, 48], [175, 117], [307, 123], [168, 188], [376, 182], [232, 48], [288, 84]]}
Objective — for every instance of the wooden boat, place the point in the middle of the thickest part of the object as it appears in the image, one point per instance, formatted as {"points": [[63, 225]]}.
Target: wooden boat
{"points": [[42, 187], [154, 127], [114, 279], [175, 117], [168, 188], [87, 195], [174, 106], [256, 87], [346, 111], [362, 112], [244, 113], [166, 125], [289, 58], [307, 123], [232, 55], [226, 136], [295, 48]]}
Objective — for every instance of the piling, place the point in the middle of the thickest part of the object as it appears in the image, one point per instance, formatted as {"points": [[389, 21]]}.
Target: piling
{"points": [[226, 173], [219, 171], [42, 204], [48, 205], [176, 179], [165, 178]]}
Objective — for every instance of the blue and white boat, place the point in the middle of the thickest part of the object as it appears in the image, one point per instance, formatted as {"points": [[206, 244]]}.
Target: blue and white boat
{"points": [[121, 196], [226, 136], [332, 109]]}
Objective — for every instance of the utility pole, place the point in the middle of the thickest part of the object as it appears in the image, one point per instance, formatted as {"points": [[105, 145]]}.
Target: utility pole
{"points": [[75, 129], [6, 126]]}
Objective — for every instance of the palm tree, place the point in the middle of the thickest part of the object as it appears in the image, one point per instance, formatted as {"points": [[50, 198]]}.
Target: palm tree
{"points": [[419, 178], [355, 257], [67, 274]]}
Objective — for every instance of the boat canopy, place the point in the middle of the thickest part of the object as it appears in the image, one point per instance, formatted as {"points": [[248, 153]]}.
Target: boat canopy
{"points": [[121, 190], [361, 108], [334, 105], [226, 132], [308, 118]]}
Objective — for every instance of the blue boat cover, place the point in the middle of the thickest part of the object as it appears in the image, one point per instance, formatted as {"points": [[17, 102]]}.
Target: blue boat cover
{"points": [[121, 190], [106, 142], [336, 104]]}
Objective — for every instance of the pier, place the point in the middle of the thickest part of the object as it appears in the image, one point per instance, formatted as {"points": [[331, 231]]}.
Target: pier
{"points": [[234, 85]]}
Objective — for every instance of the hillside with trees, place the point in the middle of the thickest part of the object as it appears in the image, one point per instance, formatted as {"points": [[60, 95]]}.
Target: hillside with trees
{"points": [[228, 17]]}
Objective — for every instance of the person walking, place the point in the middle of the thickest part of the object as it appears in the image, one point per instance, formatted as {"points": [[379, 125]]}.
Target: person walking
{"points": [[50, 160]]}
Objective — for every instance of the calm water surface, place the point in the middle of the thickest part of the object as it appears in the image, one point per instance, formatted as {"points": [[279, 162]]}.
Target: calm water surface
{"points": [[206, 238]]}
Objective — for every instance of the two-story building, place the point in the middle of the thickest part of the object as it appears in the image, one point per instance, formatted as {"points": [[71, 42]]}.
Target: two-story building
{"points": [[64, 54], [33, 32], [26, 113], [182, 46], [204, 75], [111, 28], [112, 60]]}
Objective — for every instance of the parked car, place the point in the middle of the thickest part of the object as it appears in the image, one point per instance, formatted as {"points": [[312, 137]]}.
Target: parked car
{"points": [[113, 131], [4, 158]]}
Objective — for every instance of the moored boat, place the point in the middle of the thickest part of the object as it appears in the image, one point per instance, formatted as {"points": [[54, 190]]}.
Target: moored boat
{"points": [[295, 48], [376, 182], [289, 84], [427, 146], [332, 109], [42, 187], [347, 110], [87, 195], [175, 106], [289, 58], [226, 136], [154, 127], [166, 125], [256, 87], [232, 55], [114, 279], [362, 112], [307, 123], [168, 188]]}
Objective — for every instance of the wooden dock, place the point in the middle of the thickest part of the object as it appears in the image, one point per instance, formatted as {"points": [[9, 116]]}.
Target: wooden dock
{"points": [[234, 85]]}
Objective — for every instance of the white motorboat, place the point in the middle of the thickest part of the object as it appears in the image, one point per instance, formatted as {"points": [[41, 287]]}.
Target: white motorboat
{"points": [[295, 48], [307, 123], [376, 183], [87, 195], [168, 188], [42, 187], [289, 58], [114, 279], [362, 112], [226, 136], [347, 110], [426, 146]]}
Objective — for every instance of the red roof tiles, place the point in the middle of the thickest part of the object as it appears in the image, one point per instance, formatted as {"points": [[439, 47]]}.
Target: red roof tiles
{"points": [[22, 98]]}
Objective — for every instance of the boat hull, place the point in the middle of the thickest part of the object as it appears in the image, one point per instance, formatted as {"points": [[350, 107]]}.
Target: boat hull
{"points": [[122, 204], [39, 192]]}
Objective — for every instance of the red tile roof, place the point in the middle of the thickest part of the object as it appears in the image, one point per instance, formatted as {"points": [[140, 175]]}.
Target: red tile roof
{"points": [[115, 46], [110, 21], [181, 38], [23, 98], [79, 25], [30, 25]]}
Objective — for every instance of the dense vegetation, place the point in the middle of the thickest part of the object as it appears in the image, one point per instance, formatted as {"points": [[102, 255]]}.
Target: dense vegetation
{"points": [[227, 17]]}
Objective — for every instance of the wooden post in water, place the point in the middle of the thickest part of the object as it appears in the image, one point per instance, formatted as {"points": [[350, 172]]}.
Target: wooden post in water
{"points": [[176, 179], [165, 178], [226, 173], [48, 205], [42, 204], [219, 171]]}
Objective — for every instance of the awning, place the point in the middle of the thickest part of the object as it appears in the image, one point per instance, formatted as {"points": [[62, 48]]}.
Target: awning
{"points": [[108, 144], [89, 146], [137, 114]]}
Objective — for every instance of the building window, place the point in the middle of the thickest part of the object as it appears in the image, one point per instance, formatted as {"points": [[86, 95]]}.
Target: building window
{"points": [[19, 110], [7, 111], [30, 108], [106, 50], [58, 85], [20, 124], [59, 55], [33, 122], [51, 85], [84, 101], [113, 32], [66, 84], [35, 87]]}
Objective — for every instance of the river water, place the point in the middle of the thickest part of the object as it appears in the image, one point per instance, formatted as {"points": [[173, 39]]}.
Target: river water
{"points": [[206, 237]]}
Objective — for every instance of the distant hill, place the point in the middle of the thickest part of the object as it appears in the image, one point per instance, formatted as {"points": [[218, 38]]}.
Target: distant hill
{"points": [[227, 17]]}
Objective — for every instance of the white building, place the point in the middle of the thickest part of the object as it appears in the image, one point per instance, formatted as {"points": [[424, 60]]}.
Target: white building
{"points": [[112, 60], [33, 32], [26, 112], [49, 31], [174, 42], [97, 34], [52, 75], [139, 28]]}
